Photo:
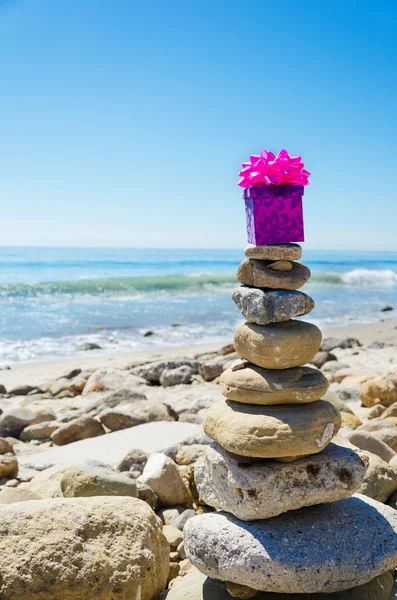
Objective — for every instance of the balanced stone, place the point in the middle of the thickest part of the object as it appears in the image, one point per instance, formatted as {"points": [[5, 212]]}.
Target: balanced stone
{"points": [[324, 548], [274, 251], [259, 273], [279, 345], [267, 488], [196, 586], [271, 306], [255, 385], [272, 431]]}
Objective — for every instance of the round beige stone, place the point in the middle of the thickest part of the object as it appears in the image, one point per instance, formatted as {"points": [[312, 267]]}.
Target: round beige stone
{"points": [[255, 385], [272, 431], [278, 345], [274, 251], [260, 273]]}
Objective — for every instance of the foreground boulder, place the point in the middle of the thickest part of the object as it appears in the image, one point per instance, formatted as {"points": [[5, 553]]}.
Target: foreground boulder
{"points": [[81, 548], [304, 551], [197, 586]]}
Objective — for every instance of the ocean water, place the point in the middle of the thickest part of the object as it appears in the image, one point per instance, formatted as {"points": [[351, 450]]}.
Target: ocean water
{"points": [[55, 300]]}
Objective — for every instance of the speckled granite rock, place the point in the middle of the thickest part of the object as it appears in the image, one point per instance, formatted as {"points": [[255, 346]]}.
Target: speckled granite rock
{"points": [[255, 385], [279, 345], [272, 431], [197, 586], [271, 306], [329, 547], [266, 488]]}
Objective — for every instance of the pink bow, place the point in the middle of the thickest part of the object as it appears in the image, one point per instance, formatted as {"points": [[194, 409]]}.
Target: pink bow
{"points": [[268, 169]]}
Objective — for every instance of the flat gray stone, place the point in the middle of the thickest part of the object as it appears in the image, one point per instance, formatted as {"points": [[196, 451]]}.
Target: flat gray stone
{"points": [[110, 449], [197, 586], [264, 306], [324, 548], [274, 251], [266, 488]]}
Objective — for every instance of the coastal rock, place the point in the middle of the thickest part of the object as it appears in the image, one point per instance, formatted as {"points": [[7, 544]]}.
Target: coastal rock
{"points": [[8, 465], [81, 481], [197, 586], [164, 477], [304, 551], [266, 488], [391, 411], [380, 480], [19, 494], [271, 306], [173, 535], [124, 417], [377, 410], [210, 369], [378, 391], [350, 420], [151, 372], [274, 251], [107, 379], [75, 385], [15, 419], [331, 343], [321, 358], [187, 455], [180, 521], [41, 431], [383, 430], [21, 390], [135, 460], [258, 273], [146, 494], [255, 385], [277, 346], [177, 376], [79, 429], [272, 431], [5, 446], [74, 548], [368, 442]]}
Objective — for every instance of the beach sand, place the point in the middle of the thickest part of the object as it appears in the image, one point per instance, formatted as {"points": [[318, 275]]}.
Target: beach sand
{"points": [[369, 360]]}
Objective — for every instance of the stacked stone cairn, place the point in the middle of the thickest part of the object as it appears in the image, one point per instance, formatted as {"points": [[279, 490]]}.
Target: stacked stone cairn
{"points": [[287, 521]]}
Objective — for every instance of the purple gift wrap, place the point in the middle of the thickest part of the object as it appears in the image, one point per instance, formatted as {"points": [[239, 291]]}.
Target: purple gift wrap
{"points": [[274, 214]]}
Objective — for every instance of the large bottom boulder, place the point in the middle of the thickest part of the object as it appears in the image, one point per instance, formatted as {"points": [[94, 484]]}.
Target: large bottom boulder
{"points": [[82, 549], [324, 548], [197, 586]]}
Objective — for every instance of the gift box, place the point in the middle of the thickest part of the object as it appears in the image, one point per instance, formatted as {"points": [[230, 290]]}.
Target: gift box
{"points": [[274, 214]]}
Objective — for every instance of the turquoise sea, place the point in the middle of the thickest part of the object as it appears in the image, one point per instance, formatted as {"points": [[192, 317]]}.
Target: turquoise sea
{"points": [[55, 300]]}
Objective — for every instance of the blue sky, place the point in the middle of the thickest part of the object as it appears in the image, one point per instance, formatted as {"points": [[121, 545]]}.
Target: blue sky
{"points": [[124, 123]]}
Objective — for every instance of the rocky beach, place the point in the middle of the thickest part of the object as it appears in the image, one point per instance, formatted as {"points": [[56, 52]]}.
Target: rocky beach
{"points": [[94, 448]]}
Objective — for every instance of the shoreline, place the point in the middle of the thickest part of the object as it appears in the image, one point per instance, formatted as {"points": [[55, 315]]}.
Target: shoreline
{"points": [[37, 372]]}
